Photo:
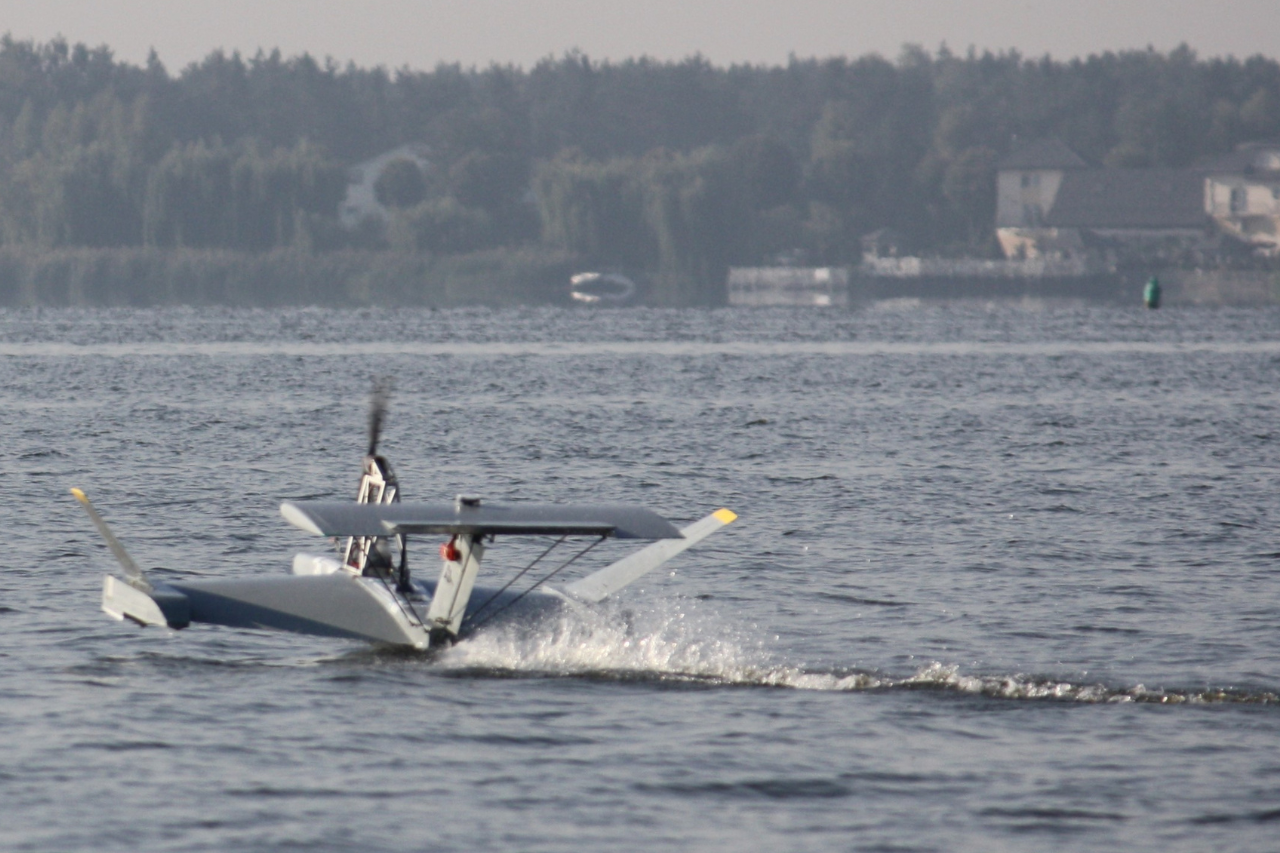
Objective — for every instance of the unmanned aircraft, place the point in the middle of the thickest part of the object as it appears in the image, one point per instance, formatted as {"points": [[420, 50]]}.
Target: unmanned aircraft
{"points": [[369, 593]]}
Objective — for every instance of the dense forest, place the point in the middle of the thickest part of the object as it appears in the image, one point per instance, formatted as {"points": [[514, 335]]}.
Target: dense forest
{"points": [[673, 170]]}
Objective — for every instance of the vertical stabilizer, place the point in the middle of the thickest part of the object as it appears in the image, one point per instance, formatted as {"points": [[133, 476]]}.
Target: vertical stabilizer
{"points": [[132, 572], [596, 587]]}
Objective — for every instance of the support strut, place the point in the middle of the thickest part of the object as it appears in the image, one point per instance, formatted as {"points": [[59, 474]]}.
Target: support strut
{"points": [[457, 576]]}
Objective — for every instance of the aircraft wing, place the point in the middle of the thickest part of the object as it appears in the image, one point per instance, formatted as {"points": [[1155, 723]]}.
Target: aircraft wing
{"points": [[342, 518]]}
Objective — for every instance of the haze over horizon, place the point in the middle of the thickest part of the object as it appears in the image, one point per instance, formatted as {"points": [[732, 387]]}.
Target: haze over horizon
{"points": [[420, 34]]}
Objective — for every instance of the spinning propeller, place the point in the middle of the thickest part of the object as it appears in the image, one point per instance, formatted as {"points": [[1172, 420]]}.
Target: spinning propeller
{"points": [[378, 410]]}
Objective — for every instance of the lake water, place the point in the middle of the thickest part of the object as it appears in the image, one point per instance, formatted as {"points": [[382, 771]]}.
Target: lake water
{"points": [[1005, 578]]}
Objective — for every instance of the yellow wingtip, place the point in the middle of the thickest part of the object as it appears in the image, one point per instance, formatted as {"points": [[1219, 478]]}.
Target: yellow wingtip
{"points": [[725, 515], [79, 496]]}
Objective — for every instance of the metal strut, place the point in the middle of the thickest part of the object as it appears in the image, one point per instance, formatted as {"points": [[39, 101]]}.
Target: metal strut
{"points": [[371, 555], [513, 602], [473, 614], [461, 558]]}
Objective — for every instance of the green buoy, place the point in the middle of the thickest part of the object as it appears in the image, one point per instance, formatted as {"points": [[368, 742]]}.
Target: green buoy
{"points": [[1151, 293]]}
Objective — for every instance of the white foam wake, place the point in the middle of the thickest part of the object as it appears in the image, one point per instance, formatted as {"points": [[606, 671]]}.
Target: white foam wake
{"points": [[683, 640], [669, 638], [1020, 686]]}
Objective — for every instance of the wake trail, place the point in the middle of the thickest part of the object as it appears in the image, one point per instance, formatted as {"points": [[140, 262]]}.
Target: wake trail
{"points": [[680, 642]]}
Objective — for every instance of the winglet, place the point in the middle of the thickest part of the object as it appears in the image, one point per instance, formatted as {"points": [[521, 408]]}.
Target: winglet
{"points": [[133, 574], [726, 516]]}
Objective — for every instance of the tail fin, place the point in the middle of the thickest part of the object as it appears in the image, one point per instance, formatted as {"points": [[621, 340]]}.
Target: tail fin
{"points": [[135, 576], [596, 587]]}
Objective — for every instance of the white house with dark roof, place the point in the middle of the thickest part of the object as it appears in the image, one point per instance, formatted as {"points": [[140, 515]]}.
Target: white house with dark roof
{"points": [[1028, 182], [1242, 194], [1051, 204]]}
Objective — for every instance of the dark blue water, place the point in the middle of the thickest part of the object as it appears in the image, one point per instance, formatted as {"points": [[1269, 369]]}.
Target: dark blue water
{"points": [[1005, 578]]}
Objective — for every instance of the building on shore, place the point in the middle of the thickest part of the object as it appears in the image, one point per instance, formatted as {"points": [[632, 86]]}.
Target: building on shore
{"points": [[1051, 204], [1242, 195], [924, 278], [1069, 230], [800, 286]]}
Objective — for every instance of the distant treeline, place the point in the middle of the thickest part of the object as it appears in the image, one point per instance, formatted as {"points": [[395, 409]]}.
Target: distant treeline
{"points": [[674, 170]]}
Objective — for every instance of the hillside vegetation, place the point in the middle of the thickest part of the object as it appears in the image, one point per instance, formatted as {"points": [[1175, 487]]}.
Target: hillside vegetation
{"points": [[672, 170]]}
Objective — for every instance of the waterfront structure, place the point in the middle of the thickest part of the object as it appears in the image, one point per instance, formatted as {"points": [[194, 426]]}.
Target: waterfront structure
{"points": [[801, 286], [1242, 194], [1051, 204], [1028, 181]]}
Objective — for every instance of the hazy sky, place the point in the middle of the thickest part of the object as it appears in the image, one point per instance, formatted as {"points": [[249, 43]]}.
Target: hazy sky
{"points": [[421, 33]]}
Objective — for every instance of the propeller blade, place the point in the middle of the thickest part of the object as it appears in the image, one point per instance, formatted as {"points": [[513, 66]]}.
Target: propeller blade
{"points": [[378, 401]]}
